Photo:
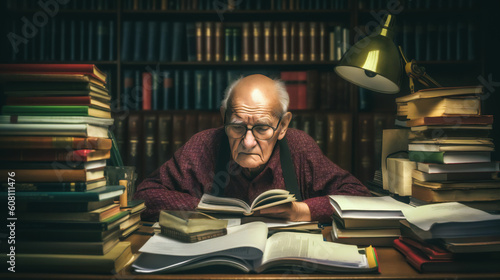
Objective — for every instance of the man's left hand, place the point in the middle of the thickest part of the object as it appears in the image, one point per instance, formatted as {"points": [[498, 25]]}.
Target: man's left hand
{"points": [[293, 211]]}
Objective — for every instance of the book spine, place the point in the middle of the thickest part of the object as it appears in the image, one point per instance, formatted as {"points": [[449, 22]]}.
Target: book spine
{"points": [[164, 137], [150, 143], [199, 41], [209, 38], [152, 41], [146, 90], [165, 36], [267, 41], [218, 42], [256, 36], [245, 45], [139, 40]]}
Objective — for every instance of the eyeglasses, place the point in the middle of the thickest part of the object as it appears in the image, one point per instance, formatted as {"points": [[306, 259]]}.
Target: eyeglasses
{"points": [[260, 131]]}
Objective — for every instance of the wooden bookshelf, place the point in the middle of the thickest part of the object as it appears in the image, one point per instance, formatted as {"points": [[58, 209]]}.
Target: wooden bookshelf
{"points": [[351, 15]]}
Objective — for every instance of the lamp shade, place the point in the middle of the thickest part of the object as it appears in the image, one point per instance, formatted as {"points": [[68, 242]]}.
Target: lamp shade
{"points": [[373, 62]]}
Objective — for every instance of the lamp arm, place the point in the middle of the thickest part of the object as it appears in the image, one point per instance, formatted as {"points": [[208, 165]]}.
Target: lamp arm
{"points": [[413, 71]]}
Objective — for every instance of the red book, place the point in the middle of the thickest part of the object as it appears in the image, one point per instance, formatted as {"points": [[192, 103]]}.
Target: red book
{"points": [[296, 86], [56, 100], [54, 155], [82, 69], [451, 121], [147, 85]]}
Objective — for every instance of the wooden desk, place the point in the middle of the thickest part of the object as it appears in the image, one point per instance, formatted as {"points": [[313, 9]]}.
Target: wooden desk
{"points": [[392, 266]]}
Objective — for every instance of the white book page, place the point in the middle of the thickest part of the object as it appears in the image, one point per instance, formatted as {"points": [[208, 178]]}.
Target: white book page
{"points": [[248, 235], [369, 203], [312, 246], [210, 202], [427, 215], [269, 193]]}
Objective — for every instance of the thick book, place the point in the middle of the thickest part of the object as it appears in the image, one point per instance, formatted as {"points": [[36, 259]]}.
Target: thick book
{"points": [[451, 220], [433, 131], [266, 199], [91, 111], [97, 215], [449, 157], [50, 234], [66, 206], [64, 247], [460, 176], [452, 121], [190, 226], [48, 142], [251, 251], [53, 129], [53, 155], [98, 194], [54, 175], [433, 192], [459, 146], [459, 167], [365, 223], [57, 186], [362, 207], [382, 237], [81, 69], [440, 106], [57, 100], [42, 77], [104, 122], [112, 262], [422, 263], [55, 88], [441, 92]]}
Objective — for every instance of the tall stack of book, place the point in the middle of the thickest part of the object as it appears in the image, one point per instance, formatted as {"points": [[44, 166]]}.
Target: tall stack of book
{"points": [[54, 146], [450, 237], [451, 148], [365, 221]]}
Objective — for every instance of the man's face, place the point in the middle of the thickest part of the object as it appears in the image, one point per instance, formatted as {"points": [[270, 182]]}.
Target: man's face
{"points": [[249, 108]]}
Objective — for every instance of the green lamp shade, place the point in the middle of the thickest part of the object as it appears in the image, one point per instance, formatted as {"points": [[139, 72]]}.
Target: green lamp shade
{"points": [[373, 62]]}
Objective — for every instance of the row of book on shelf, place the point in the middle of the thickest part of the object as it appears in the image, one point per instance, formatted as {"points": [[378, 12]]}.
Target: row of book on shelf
{"points": [[256, 41], [419, 4], [64, 39], [56, 145], [204, 89]]}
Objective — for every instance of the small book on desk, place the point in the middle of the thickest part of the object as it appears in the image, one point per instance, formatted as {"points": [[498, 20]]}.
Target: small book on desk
{"points": [[246, 248], [190, 226], [210, 203]]}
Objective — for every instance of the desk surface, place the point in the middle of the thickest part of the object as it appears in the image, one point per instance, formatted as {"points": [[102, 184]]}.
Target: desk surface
{"points": [[392, 266]]}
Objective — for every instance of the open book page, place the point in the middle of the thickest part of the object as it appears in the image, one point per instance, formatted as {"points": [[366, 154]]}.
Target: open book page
{"points": [[312, 247], [247, 241], [426, 216], [223, 204], [266, 199]]}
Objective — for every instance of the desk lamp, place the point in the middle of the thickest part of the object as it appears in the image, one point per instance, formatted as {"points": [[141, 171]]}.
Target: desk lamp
{"points": [[374, 63]]}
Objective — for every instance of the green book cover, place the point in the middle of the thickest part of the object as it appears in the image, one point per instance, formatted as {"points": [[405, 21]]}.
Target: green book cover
{"points": [[46, 110], [431, 157], [97, 194]]}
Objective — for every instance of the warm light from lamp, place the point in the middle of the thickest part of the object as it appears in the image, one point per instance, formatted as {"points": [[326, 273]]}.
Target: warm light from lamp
{"points": [[374, 62]]}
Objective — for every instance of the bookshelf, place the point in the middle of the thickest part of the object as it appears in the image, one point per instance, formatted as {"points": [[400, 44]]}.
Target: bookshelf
{"points": [[117, 36]]}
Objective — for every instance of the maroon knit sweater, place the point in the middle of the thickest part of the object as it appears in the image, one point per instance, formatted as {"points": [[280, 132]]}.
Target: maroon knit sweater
{"points": [[180, 182]]}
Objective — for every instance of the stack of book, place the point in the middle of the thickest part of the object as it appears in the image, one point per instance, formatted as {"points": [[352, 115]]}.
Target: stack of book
{"points": [[450, 146], [54, 147], [450, 237], [366, 221]]}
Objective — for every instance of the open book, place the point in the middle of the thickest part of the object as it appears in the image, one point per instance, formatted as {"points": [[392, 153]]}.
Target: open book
{"points": [[228, 205], [246, 248]]}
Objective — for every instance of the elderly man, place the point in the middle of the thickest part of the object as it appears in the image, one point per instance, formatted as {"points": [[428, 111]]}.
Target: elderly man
{"points": [[243, 160]]}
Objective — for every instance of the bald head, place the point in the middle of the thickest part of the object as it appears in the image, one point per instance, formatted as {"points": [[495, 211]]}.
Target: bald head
{"points": [[259, 90]]}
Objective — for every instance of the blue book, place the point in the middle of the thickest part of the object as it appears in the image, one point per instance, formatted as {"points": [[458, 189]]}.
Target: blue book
{"points": [[156, 102], [177, 34], [219, 87], [152, 41], [111, 26], [228, 44], [209, 90], [168, 90], [177, 90], [187, 100], [126, 52], [139, 39], [100, 39], [199, 89], [81, 40], [236, 44], [191, 41], [137, 90], [90, 40], [164, 41], [99, 194], [471, 41], [128, 86], [72, 40]]}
